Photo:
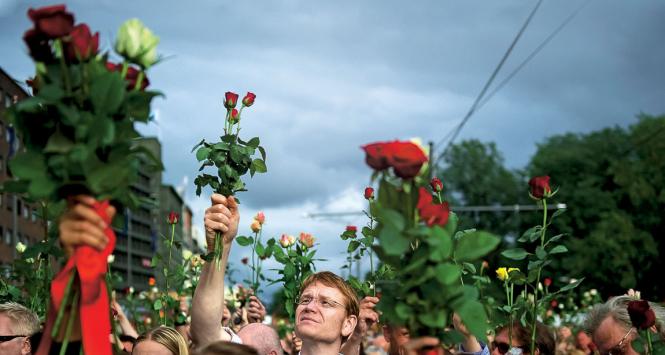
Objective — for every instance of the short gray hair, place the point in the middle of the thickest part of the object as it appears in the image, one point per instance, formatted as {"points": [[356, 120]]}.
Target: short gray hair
{"points": [[262, 337], [617, 308], [24, 321]]}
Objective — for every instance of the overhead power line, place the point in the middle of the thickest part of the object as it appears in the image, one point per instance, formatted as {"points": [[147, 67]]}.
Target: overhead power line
{"points": [[493, 76]]}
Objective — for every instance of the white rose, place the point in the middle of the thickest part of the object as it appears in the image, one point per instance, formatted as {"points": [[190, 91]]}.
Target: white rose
{"points": [[186, 254], [20, 247], [187, 284], [110, 259], [593, 292]]}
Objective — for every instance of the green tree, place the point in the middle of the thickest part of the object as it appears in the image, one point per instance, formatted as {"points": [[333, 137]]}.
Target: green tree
{"points": [[474, 174], [613, 182]]}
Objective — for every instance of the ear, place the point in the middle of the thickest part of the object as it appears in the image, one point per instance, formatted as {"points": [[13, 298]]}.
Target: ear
{"points": [[26, 349], [349, 325]]}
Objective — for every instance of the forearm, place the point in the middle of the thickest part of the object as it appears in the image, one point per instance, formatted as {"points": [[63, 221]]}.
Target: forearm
{"points": [[127, 327], [208, 302], [471, 345]]}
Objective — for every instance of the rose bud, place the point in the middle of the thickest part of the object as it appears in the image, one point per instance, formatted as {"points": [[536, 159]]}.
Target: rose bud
{"points": [[248, 100], [52, 21], [286, 240], [151, 281], [38, 46], [260, 217], [234, 117], [641, 314], [137, 43], [369, 193], [231, 99], [173, 218], [81, 44], [540, 187], [256, 226], [547, 282], [351, 229], [554, 303], [306, 240], [244, 260], [436, 184]]}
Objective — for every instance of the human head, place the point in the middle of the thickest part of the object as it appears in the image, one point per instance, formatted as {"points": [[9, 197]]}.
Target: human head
{"points": [[608, 323], [521, 338], [17, 320], [329, 322], [161, 340], [261, 337], [226, 348], [396, 338]]}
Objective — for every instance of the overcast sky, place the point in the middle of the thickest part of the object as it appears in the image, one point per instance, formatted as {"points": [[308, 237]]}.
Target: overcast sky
{"points": [[333, 75]]}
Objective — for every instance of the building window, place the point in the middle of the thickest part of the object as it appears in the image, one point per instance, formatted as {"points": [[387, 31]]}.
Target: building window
{"points": [[2, 163], [8, 100], [8, 236], [26, 212], [2, 128], [34, 215]]}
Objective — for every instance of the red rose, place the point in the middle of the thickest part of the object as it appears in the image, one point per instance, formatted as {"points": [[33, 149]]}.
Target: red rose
{"points": [[131, 76], [547, 282], [38, 46], [436, 184], [231, 99], [641, 314], [432, 214], [369, 193], [173, 218], [234, 116], [244, 260], [376, 155], [52, 21], [81, 44], [351, 229], [248, 100], [554, 303], [407, 159], [540, 187]]}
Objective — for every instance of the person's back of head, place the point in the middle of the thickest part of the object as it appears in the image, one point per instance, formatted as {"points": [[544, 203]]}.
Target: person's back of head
{"points": [[261, 337], [166, 337], [20, 323], [226, 348]]}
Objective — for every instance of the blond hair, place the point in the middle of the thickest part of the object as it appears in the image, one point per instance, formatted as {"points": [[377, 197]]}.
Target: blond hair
{"points": [[24, 321], [168, 337], [329, 279]]}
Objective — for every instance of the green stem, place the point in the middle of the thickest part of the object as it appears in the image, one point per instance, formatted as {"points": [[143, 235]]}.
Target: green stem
{"points": [[649, 344], [168, 265], [63, 67], [139, 81], [70, 323], [63, 305], [219, 249], [510, 315], [535, 289]]}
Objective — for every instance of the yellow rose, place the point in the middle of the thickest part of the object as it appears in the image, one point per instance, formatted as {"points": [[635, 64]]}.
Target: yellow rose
{"points": [[502, 273]]}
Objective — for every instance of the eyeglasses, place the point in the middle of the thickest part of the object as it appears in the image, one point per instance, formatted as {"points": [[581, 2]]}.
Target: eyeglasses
{"points": [[4, 338], [619, 348], [322, 302], [504, 347]]}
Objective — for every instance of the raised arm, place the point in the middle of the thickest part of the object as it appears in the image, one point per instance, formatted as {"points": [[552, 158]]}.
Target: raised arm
{"points": [[208, 301]]}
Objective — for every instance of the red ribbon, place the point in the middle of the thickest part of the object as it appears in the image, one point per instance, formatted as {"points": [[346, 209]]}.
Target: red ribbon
{"points": [[93, 306]]}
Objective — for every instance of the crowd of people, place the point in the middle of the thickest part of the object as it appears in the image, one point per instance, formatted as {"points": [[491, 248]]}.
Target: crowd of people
{"points": [[329, 317]]}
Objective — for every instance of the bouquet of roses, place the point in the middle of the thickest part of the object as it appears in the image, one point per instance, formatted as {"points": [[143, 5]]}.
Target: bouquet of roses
{"points": [[417, 238], [79, 138], [232, 157]]}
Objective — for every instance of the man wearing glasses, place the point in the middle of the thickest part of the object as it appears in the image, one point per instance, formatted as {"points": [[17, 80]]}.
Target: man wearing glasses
{"points": [[611, 329], [326, 314], [17, 324]]}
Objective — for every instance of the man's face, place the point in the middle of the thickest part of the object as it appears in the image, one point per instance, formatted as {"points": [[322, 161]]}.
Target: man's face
{"points": [[501, 343], [324, 318], [396, 338], [612, 337], [16, 346]]}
